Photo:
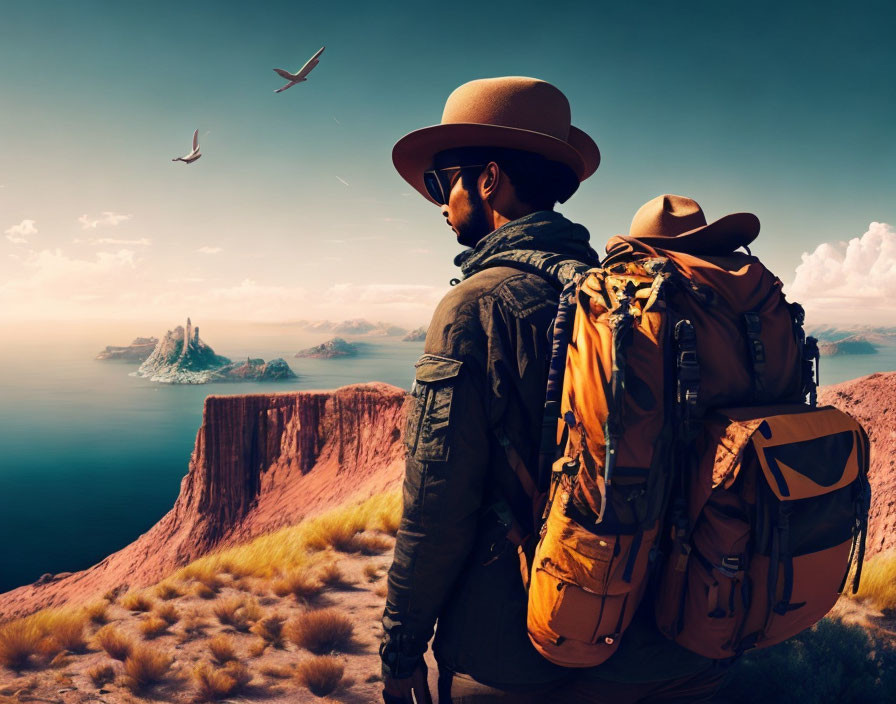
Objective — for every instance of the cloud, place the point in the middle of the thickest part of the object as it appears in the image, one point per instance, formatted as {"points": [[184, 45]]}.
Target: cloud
{"points": [[106, 219], [142, 242], [401, 296], [209, 250], [247, 300], [853, 280], [18, 234]]}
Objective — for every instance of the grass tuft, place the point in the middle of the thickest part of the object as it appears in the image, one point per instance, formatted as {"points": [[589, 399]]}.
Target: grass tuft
{"points": [[19, 640], [193, 626], [203, 591], [136, 601], [213, 684], [168, 590], [152, 626], [145, 667], [168, 613], [878, 584], [221, 648], [116, 644], [321, 631], [372, 572], [97, 611], [270, 630], [302, 586], [321, 674], [101, 674], [231, 612], [331, 575], [66, 632]]}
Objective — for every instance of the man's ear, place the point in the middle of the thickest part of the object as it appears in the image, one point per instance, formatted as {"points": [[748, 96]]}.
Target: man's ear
{"points": [[489, 181]]}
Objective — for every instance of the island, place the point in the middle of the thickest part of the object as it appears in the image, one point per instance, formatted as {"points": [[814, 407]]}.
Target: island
{"points": [[855, 344], [337, 347], [417, 335], [181, 357], [137, 351]]}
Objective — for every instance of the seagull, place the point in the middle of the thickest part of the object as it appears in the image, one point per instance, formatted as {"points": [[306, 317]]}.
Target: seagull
{"points": [[302, 75], [193, 155]]}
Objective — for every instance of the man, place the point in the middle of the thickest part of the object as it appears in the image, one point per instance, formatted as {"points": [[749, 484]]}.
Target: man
{"points": [[503, 156]]}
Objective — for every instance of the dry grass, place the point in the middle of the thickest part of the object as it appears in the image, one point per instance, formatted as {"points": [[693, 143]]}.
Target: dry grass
{"points": [[222, 650], [168, 613], [253, 610], [321, 631], [168, 590], [330, 575], [101, 674], [270, 630], [382, 590], [97, 611], [66, 632], [144, 667], [301, 585], [19, 641], [116, 644], [136, 601], [153, 626], [193, 626], [213, 684], [373, 543], [878, 584], [321, 674], [372, 572], [232, 612], [203, 591], [280, 672], [257, 648]]}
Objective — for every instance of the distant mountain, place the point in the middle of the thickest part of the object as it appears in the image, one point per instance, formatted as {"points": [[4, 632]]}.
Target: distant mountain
{"points": [[355, 327], [878, 335], [416, 335], [337, 347], [854, 344], [182, 358], [137, 351]]}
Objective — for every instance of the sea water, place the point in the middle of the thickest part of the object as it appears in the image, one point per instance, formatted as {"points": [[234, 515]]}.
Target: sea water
{"points": [[91, 457]]}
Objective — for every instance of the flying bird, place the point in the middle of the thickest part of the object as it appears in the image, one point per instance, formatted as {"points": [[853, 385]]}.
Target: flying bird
{"points": [[193, 155], [302, 74]]}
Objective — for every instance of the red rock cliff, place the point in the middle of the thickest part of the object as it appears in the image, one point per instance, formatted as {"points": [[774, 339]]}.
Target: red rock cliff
{"points": [[261, 461], [871, 400]]}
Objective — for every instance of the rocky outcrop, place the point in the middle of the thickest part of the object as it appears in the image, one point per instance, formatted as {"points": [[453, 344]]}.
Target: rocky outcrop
{"points": [[255, 370], [872, 401], [182, 358], [137, 351], [355, 327], [849, 345], [337, 347], [261, 462], [416, 335]]}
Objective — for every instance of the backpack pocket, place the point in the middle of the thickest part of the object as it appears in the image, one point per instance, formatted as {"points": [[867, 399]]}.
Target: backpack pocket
{"points": [[584, 590]]}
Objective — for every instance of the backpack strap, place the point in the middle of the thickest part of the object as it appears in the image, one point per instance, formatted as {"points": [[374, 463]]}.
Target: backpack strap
{"points": [[557, 269]]}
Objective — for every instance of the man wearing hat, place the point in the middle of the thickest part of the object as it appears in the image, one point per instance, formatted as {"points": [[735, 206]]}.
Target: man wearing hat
{"points": [[504, 154]]}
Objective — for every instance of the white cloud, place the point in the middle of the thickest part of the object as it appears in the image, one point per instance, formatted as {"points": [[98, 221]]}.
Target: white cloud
{"points": [[18, 234], [402, 296], [107, 218], [142, 242], [247, 300], [209, 250], [853, 280]]}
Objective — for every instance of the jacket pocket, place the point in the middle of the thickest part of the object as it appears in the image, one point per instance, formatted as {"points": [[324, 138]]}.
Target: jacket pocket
{"points": [[426, 432]]}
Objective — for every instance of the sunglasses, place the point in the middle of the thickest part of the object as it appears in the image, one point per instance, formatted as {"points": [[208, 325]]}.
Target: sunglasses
{"points": [[439, 182]]}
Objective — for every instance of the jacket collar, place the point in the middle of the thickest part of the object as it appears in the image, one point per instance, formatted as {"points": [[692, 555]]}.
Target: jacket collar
{"points": [[543, 230]]}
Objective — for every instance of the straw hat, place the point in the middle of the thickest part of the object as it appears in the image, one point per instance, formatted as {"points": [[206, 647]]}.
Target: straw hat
{"points": [[513, 112], [678, 223]]}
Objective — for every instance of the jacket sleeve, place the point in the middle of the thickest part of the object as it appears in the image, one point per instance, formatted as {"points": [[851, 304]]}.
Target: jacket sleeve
{"points": [[447, 438]]}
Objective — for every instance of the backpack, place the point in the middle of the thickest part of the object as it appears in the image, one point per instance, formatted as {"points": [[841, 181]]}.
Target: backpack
{"points": [[679, 450]]}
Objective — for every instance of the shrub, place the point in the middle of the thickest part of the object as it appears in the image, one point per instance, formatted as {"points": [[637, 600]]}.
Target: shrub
{"points": [[116, 644], [153, 626], [300, 585], [19, 640], [321, 631], [97, 611], [221, 648], [270, 630], [878, 584], [136, 601], [144, 667], [331, 575], [213, 684], [168, 590], [232, 612], [321, 674], [101, 674], [168, 613], [826, 663]]}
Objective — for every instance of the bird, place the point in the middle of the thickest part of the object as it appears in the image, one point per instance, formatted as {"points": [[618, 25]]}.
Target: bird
{"points": [[193, 155], [302, 74]]}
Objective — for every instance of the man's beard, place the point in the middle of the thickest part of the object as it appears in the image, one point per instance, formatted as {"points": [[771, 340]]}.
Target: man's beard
{"points": [[477, 226]]}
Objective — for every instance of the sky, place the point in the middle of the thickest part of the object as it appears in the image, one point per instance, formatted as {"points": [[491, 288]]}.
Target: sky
{"points": [[294, 210]]}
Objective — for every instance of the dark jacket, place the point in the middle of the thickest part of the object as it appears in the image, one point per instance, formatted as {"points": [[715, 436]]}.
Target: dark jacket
{"points": [[484, 371]]}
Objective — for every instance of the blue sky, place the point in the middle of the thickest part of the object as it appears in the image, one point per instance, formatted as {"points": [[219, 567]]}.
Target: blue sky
{"points": [[782, 109]]}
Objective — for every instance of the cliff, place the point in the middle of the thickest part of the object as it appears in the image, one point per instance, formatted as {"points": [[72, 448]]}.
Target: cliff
{"points": [[872, 401], [261, 461]]}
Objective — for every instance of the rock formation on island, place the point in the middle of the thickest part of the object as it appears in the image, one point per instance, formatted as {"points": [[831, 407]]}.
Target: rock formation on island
{"points": [[137, 351], [416, 335], [337, 347], [854, 344], [261, 462], [181, 357]]}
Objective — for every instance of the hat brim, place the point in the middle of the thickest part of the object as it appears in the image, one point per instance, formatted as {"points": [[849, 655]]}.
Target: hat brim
{"points": [[414, 153], [720, 237]]}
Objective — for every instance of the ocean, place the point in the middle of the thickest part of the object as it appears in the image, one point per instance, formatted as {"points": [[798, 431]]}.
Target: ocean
{"points": [[91, 457]]}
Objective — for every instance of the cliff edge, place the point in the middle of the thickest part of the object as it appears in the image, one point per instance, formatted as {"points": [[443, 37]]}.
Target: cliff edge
{"points": [[261, 461]]}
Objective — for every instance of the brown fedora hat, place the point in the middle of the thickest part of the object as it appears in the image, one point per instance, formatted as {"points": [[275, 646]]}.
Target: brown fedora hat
{"points": [[678, 223], [512, 112]]}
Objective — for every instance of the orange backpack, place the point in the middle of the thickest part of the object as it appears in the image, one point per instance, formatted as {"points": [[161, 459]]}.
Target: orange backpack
{"points": [[677, 399]]}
